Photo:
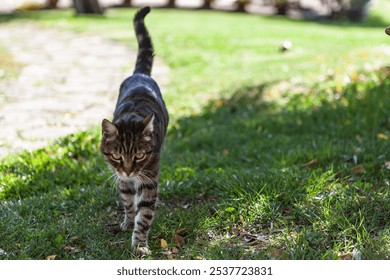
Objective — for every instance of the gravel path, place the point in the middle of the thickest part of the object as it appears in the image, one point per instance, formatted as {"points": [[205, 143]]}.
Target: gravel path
{"points": [[68, 83]]}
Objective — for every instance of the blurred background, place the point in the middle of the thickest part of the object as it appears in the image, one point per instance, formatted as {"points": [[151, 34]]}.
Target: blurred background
{"points": [[353, 9]]}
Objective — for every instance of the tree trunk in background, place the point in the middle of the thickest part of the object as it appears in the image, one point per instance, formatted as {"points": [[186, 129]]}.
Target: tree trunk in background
{"points": [[127, 3], [354, 10], [241, 4], [207, 4], [171, 3], [358, 10], [281, 7], [87, 7], [51, 4]]}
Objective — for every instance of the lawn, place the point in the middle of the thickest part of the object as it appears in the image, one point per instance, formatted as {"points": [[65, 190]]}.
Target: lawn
{"points": [[269, 155]]}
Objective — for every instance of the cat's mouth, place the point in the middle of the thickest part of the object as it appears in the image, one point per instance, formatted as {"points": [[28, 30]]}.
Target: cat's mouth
{"points": [[124, 177]]}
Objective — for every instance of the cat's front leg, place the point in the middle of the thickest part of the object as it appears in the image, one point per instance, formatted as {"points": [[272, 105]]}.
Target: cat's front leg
{"points": [[127, 193], [146, 204]]}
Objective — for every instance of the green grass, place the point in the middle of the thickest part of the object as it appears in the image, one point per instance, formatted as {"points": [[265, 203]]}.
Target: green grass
{"points": [[269, 155]]}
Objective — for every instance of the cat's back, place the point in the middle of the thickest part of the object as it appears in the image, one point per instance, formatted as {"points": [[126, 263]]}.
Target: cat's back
{"points": [[140, 87], [140, 92], [139, 83]]}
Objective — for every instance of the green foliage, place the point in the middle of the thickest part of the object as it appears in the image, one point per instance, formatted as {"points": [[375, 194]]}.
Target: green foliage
{"points": [[253, 168]]}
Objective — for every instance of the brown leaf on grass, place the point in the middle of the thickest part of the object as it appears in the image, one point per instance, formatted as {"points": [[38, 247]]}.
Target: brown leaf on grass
{"points": [[175, 250], [310, 164], [71, 249], [183, 231], [163, 243], [276, 253], [225, 152], [179, 240], [74, 238], [382, 136], [358, 169], [345, 256], [51, 257], [120, 243]]}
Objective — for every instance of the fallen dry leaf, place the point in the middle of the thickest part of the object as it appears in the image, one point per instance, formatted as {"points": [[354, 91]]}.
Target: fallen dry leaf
{"points": [[71, 249], [179, 240], [51, 257], [276, 253], [382, 136], [74, 238], [175, 250], [182, 231], [163, 243], [225, 152], [345, 256], [358, 169], [312, 163]]}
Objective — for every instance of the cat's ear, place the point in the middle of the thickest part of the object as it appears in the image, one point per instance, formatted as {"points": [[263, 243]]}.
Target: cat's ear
{"points": [[109, 130], [148, 123]]}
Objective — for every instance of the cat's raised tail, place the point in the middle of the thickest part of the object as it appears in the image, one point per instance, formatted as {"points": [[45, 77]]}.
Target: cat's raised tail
{"points": [[145, 47]]}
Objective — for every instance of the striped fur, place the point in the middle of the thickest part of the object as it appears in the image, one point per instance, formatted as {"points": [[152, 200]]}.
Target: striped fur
{"points": [[132, 142], [145, 47]]}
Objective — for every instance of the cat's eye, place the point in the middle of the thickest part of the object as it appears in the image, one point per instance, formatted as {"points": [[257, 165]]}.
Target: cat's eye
{"points": [[116, 156], [140, 156]]}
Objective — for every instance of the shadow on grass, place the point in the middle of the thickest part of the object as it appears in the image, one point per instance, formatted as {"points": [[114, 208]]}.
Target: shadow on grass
{"points": [[321, 150], [246, 134]]}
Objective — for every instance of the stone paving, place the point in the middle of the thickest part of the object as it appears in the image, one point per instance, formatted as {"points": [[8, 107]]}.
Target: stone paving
{"points": [[68, 83]]}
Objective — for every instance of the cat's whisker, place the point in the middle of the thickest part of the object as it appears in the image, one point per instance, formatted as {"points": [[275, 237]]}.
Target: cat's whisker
{"points": [[146, 180], [110, 178]]}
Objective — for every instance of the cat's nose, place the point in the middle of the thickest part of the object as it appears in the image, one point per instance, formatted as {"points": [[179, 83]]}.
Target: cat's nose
{"points": [[128, 173]]}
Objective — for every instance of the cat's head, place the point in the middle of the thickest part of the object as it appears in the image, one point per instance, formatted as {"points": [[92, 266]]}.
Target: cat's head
{"points": [[128, 145]]}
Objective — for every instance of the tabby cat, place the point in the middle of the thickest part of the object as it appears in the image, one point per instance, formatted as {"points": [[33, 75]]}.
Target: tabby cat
{"points": [[132, 142]]}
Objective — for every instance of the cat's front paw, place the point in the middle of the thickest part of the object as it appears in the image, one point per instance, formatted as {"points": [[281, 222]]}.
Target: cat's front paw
{"points": [[140, 250]]}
